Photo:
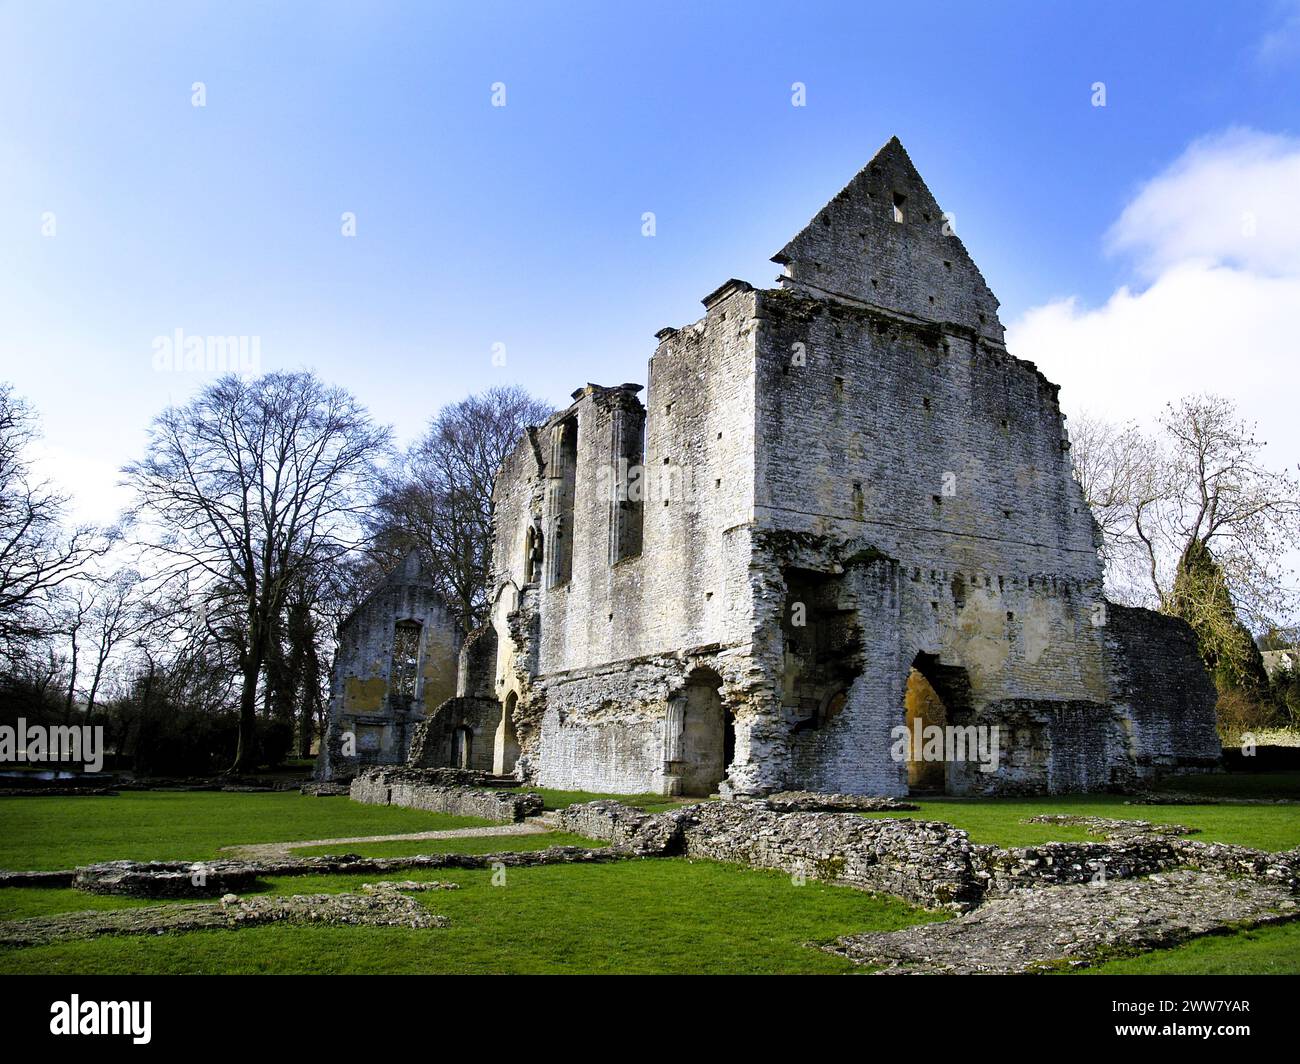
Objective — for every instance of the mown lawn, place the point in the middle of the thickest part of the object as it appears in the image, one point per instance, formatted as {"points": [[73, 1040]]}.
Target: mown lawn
{"points": [[650, 916], [479, 844], [999, 820], [40, 833]]}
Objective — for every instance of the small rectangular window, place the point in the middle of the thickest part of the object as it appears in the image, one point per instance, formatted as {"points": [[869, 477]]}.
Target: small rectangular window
{"points": [[899, 200]]}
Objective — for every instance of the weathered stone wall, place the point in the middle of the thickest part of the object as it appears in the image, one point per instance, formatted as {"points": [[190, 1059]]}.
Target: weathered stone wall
{"points": [[415, 789], [910, 261], [596, 659], [368, 715], [460, 733], [1164, 693]]}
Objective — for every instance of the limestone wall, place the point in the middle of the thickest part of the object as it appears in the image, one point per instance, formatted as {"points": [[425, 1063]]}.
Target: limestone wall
{"points": [[414, 789], [372, 712]]}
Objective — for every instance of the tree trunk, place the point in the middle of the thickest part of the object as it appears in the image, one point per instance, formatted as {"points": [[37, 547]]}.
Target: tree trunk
{"points": [[245, 749]]}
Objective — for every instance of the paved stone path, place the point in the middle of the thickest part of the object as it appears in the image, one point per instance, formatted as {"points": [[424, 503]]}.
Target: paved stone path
{"points": [[272, 850], [1074, 925]]}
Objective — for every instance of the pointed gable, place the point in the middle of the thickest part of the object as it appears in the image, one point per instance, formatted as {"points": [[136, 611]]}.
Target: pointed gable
{"points": [[883, 240]]}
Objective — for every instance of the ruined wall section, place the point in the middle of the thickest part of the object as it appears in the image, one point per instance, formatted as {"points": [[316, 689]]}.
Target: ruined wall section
{"points": [[1164, 691], [617, 641], [367, 714], [920, 438], [948, 455]]}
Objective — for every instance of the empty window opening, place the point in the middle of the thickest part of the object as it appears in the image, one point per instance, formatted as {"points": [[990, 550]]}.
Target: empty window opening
{"points": [[404, 672], [822, 652], [627, 507], [560, 489], [899, 200], [699, 736], [462, 747]]}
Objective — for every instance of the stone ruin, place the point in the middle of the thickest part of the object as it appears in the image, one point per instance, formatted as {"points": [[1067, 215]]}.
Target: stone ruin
{"points": [[396, 662], [842, 508]]}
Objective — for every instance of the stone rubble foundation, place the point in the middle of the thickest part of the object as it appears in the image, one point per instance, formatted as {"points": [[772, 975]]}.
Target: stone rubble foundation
{"points": [[379, 908], [413, 788], [925, 862], [1077, 925]]}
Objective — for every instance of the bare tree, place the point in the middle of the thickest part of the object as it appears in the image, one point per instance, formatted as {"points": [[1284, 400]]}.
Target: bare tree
{"points": [[107, 613], [1193, 522], [37, 554], [441, 500], [245, 488]]}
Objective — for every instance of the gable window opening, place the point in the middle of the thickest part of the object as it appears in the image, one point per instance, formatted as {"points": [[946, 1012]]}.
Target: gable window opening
{"points": [[899, 200]]}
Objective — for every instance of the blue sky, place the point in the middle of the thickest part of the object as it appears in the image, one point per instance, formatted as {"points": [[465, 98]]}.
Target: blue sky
{"points": [[521, 225]]}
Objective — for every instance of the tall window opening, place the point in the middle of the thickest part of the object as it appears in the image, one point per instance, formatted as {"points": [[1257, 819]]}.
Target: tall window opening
{"points": [[404, 672], [562, 484]]}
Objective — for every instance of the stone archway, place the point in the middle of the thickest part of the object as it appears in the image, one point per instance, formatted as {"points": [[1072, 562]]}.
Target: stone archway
{"points": [[936, 695], [506, 749], [708, 734]]}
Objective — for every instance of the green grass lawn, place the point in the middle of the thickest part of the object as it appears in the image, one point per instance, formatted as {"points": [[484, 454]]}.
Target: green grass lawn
{"points": [[480, 844], [39, 833], [634, 916], [651, 916], [998, 820], [1271, 950]]}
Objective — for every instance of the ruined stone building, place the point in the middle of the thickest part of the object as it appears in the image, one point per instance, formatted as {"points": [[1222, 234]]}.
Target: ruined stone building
{"points": [[840, 506], [396, 662]]}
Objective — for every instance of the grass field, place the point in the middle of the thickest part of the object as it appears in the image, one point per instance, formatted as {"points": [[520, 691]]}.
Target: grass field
{"points": [[37, 833], [633, 916]]}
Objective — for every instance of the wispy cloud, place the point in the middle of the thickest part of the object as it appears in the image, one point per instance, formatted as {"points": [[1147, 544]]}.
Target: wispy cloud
{"points": [[1216, 307]]}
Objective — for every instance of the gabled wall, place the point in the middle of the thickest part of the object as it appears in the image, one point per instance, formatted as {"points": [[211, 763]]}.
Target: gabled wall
{"points": [[366, 716]]}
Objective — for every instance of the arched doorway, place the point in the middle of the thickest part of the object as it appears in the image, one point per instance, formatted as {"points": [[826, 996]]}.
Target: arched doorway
{"points": [[708, 734], [937, 697], [506, 751]]}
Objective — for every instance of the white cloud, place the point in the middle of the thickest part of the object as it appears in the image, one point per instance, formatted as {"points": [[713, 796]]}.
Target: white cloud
{"points": [[1230, 198], [1219, 311]]}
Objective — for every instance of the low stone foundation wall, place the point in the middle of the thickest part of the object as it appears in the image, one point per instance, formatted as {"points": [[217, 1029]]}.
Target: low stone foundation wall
{"points": [[925, 862], [1282, 868], [166, 879], [425, 789], [811, 802], [1057, 863], [627, 829], [922, 861]]}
